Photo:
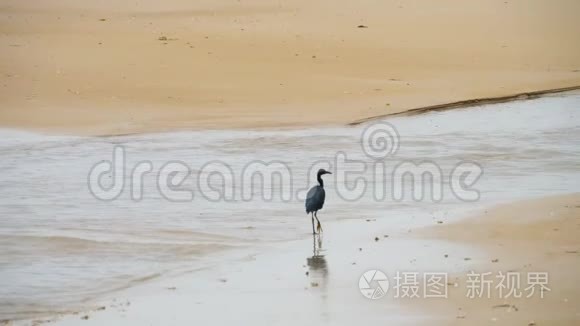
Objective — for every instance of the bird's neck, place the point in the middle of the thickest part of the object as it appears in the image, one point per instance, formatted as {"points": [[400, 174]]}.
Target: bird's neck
{"points": [[320, 182]]}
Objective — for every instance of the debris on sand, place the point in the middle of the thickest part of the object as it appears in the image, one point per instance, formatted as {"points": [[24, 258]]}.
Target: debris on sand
{"points": [[223, 280], [446, 255], [103, 20], [101, 308], [172, 288], [307, 273], [376, 238], [506, 305], [165, 38], [362, 26], [85, 317], [439, 222], [494, 260], [313, 284], [385, 236], [466, 258]]}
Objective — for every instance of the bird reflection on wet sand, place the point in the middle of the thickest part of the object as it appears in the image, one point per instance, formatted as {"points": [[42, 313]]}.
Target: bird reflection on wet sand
{"points": [[317, 266], [318, 274]]}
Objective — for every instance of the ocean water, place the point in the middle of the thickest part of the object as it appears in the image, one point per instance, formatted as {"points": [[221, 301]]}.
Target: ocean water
{"points": [[62, 246]]}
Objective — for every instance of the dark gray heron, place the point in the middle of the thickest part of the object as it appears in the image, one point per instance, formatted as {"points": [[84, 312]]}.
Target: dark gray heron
{"points": [[315, 199]]}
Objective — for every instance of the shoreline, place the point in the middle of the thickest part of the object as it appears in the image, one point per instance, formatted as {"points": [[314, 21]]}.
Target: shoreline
{"points": [[285, 278], [457, 105], [546, 170], [465, 104]]}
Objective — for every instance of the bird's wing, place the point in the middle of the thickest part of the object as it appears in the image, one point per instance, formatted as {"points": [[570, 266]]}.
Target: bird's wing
{"points": [[315, 199], [321, 197], [311, 193]]}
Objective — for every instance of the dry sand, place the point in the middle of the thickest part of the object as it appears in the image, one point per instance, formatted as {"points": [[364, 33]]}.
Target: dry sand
{"points": [[111, 67], [290, 284]]}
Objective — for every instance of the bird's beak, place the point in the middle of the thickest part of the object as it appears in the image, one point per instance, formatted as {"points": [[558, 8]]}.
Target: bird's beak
{"points": [[328, 172]]}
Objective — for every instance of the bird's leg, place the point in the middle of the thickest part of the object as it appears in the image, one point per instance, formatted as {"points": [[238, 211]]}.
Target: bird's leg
{"points": [[313, 232], [319, 226]]}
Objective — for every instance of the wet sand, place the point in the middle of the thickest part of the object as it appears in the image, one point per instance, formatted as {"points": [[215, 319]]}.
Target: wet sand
{"points": [[241, 255], [302, 283], [530, 236], [111, 68], [470, 103]]}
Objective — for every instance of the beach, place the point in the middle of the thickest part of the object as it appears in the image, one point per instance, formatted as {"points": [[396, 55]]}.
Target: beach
{"points": [[290, 283], [109, 68], [156, 158], [529, 236], [70, 256]]}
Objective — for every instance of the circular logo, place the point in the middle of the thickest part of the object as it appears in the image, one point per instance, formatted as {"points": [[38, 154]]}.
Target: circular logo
{"points": [[380, 140], [373, 284]]}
